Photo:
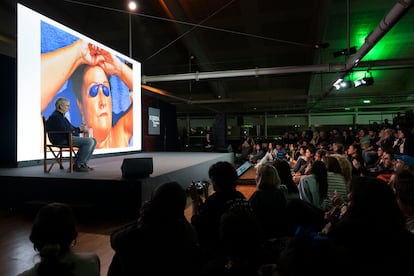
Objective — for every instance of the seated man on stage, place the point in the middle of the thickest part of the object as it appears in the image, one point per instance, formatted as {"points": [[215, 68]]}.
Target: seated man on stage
{"points": [[86, 145]]}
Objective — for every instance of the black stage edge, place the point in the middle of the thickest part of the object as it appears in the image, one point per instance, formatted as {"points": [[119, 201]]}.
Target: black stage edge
{"points": [[103, 191]]}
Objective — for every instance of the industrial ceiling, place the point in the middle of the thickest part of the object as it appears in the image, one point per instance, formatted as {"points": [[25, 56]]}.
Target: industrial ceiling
{"points": [[251, 57]]}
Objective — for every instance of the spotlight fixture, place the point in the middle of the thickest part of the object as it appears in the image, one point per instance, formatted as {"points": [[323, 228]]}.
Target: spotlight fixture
{"points": [[345, 52], [342, 84], [367, 80]]}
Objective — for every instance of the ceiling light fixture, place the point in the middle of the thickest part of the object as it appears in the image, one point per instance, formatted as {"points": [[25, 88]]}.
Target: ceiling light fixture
{"points": [[366, 80], [342, 84], [345, 52], [321, 45]]}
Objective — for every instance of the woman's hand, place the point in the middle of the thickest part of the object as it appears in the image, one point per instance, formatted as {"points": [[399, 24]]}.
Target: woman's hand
{"points": [[110, 63], [90, 54]]}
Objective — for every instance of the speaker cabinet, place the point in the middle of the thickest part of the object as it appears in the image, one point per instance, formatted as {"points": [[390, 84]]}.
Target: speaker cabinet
{"points": [[133, 168]]}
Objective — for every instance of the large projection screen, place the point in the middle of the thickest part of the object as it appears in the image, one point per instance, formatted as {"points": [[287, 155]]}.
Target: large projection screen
{"points": [[55, 61]]}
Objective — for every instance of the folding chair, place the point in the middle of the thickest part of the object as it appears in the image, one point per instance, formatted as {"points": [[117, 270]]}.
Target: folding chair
{"points": [[59, 152]]}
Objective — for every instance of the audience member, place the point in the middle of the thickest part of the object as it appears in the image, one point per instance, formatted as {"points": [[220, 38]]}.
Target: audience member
{"points": [[313, 188], [268, 157], [354, 153], [297, 155], [369, 153], [346, 167], [371, 238], [281, 151], [336, 181], [386, 140], [287, 185], [404, 188], [53, 235], [404, 144], [303, 167], [161, 241], [402, 163], [364, 138], [241, 244], [384, 168], [319, 154], [349, 139], [257, 154], [324, 137], [268, 201], [338, 148], [206, 215], [247, 148], [378, 165], [336, 136], [315, 139]]}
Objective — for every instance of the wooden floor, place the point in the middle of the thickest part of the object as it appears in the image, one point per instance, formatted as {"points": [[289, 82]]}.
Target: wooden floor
{"points": [[17, 253]]}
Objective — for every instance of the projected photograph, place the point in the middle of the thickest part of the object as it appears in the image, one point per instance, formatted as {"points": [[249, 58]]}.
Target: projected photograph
{"points": [[102, 85], [93, 78]]}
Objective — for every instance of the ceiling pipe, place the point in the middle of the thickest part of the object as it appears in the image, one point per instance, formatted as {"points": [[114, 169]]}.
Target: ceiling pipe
{"points": [[394, 15], [242, 73], [329, 68]]}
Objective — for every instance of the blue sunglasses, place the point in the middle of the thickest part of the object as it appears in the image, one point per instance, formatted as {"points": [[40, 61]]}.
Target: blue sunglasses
{"points": [[93, 92]]}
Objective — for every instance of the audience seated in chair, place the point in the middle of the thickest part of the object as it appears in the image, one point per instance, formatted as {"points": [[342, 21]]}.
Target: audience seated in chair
{"points": [[53, 235], [161, 242], [371, 238], [206, 215], [268, 202]]}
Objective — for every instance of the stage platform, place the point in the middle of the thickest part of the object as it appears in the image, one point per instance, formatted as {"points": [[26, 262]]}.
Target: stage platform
{"points": [[102, 191]]}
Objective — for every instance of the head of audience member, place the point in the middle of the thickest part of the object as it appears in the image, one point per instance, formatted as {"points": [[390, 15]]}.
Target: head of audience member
{"points": [[285, 175], [223, 176], [403, 162], [388, 160], [267, 178], [346, 166], [320, 172], [310, 153], [54, 227], [355, 150], [404, 189], [338, 147], [53, 234], [279, 144], [319, 154], [167, 203], [332, 164], [302, 150]]}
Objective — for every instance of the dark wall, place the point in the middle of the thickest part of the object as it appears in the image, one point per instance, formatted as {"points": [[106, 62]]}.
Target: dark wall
{"points": [[219, 133], [168, 138], [8, 112]]}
